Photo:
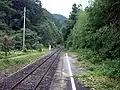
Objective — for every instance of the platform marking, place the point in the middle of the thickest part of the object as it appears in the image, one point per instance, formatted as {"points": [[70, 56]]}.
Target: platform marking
{"points": [[70, 72]]}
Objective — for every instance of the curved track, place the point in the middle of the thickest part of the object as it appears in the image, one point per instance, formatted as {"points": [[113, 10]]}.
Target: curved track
{"points": [[36, 76]]}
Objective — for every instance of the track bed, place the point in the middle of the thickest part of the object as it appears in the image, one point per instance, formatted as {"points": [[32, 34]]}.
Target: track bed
{"points": [[36, 76]]}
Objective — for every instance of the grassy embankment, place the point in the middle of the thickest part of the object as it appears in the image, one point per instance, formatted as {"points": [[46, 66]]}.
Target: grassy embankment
{"points": [[17, 60], [99, 75]]}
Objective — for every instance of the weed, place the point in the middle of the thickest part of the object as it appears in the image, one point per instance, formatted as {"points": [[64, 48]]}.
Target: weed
{"points": [[103, 74]]}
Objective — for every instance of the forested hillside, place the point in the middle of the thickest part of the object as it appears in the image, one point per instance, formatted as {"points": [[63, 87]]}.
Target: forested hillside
{"points": [[94, 33], [41, 26], [60, 18]]}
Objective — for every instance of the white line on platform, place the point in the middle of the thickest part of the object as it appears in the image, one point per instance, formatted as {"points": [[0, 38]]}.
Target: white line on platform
{"points": [[70, 72]]}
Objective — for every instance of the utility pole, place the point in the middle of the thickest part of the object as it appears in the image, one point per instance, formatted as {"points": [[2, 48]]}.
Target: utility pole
{"points": [[24, 29]]}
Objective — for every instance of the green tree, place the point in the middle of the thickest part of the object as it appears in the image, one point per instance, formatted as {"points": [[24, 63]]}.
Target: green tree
{"points": [[78, 35], [70, 22]]}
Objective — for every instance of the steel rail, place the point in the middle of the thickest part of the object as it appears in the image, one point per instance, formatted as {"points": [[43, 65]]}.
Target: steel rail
{"points": [[33, 70]]}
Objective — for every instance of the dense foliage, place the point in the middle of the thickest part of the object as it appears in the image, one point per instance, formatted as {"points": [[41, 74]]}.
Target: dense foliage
{"points": [[41, 26], [98, 29]]}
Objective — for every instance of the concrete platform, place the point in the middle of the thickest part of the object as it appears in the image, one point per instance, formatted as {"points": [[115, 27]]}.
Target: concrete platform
{"points": [[62, 78]]}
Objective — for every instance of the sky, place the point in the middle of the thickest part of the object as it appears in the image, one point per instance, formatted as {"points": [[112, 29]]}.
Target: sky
{"points": [[63, 7]]}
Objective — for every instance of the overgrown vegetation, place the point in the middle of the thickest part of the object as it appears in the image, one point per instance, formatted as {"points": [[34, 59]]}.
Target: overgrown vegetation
{"points": [[18, 60], [95, 35], [99, 76], [17, 53]]}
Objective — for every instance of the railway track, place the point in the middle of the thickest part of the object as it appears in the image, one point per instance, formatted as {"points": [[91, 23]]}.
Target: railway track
{"points": [[36, 76]]}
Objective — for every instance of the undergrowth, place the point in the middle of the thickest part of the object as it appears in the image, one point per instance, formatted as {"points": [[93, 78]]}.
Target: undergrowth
{"points": [[103, 74]]}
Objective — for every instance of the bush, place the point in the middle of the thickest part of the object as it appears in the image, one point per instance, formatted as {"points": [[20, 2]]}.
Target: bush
{"points": [[25, 50], [99, 66], [89, 55], [112, 68], [39, 47]]}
